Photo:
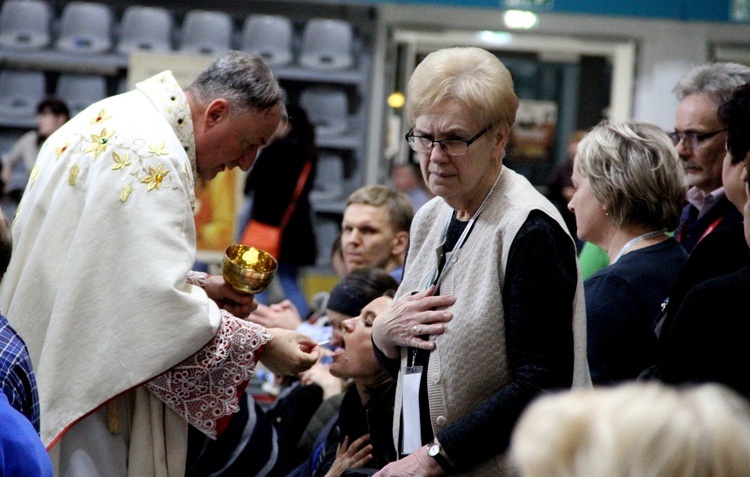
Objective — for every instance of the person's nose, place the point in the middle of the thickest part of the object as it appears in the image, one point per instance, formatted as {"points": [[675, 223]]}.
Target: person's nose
{"points": [[336, 334], [438, 154], [247, 159], [348, 325], [353, 236], [682, 150]]}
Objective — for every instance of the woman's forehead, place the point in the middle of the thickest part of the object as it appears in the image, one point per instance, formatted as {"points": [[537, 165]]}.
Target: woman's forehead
{"points": [[378, 304], [448, 119]]}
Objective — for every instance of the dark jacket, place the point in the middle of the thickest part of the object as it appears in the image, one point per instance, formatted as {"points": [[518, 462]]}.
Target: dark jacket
{"points": [[708, 339], [691, 230], [355, 420], [721, 252]]}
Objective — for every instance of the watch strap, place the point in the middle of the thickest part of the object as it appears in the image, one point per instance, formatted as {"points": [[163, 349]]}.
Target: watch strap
{"points": [[439, 457]]}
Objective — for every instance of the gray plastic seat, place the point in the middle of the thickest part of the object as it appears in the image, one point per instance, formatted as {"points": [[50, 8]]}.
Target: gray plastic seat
{"points": [[327, 44], [328, 109], [327, 231], [329, 178], [25, 24], [85, 27], [7, 140], [145, 28], [20, 92], [79, 91], [270, 37], [206, 32]]}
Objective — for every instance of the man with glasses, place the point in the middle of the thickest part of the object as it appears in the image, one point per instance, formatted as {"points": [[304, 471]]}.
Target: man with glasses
{"points": [[721, 250], [700, 137]]}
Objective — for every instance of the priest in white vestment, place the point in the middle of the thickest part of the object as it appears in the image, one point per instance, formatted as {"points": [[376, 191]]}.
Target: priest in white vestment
{"points": [[129, 345]]}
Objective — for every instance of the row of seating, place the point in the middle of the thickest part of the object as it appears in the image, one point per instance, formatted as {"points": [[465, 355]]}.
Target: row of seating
{"points": [[21, 90], [91, 27]]}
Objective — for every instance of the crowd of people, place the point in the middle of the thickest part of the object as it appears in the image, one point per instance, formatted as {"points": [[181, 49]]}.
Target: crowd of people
{"points": [[461, 311]]}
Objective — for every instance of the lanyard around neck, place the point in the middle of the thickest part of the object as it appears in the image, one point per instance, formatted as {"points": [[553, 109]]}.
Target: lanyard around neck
{"points": [[634, 241], [452, 256]]}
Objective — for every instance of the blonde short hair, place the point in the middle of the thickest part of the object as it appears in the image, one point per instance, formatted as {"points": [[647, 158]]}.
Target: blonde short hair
{"points": [[634, 172], [472, 76], [636, 429]]}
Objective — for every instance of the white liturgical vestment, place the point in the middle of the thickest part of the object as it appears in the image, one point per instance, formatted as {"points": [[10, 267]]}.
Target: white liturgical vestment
{"points": [[104, 241]]}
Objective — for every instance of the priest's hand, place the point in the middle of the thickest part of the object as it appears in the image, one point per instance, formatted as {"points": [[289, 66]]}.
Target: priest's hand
{"points": [[238, 304], [289, 352]]}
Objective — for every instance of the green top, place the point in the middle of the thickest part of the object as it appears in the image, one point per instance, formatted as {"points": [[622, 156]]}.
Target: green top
{"points": [[591, 259]]}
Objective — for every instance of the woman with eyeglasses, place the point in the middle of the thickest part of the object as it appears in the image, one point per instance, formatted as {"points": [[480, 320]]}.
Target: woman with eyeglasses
{"points": [[490, 312]]}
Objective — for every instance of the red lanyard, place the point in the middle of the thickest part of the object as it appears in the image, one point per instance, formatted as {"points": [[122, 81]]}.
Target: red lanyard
{"points": [[708, 230]]}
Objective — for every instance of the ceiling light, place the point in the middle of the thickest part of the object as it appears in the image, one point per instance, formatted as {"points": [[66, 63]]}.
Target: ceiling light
{"points": [[520, 19]]}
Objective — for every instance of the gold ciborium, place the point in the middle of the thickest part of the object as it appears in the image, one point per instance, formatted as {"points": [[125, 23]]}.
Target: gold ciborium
{"points": [[248, 269]]}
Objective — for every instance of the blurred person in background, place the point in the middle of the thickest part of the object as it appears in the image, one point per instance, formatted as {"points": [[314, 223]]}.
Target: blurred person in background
{"points": [[407, 178], [560, 185], [375, 229], [374, 233], [272, 182], [51, 113], [634, 430]]}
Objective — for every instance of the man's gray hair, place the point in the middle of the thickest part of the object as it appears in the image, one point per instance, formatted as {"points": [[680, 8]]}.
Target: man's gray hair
{"points": [[715, 80], [243, 79]]}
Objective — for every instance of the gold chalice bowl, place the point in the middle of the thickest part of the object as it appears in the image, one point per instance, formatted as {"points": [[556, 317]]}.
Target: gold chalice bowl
{"points": [[248, 269]]}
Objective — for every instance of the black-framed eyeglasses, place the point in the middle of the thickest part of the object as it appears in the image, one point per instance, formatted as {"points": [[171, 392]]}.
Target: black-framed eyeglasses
{"points": [[452, 147], [692, 139]]}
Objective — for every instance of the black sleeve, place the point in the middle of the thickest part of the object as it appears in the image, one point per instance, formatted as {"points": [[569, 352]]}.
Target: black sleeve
{"points": [[708, 339], [391, 366], [540, 284]]}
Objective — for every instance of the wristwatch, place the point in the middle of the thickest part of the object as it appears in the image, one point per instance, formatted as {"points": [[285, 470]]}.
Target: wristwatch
{"points": [[436, 452]]}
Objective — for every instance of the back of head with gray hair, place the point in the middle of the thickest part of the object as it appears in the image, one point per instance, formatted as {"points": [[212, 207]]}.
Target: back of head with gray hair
{"points": [[714, 80], [243, 79]]}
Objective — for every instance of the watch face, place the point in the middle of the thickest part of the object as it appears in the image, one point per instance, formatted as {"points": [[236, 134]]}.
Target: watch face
{"points": [[433, 450]]}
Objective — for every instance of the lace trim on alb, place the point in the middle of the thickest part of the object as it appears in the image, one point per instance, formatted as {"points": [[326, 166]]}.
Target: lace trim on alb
{"points": [[199, 279], [203, 388]]}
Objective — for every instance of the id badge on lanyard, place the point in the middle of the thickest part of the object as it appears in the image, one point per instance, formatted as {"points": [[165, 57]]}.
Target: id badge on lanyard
{"points": [[412, 435], [411, 413], [411, 431]]}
